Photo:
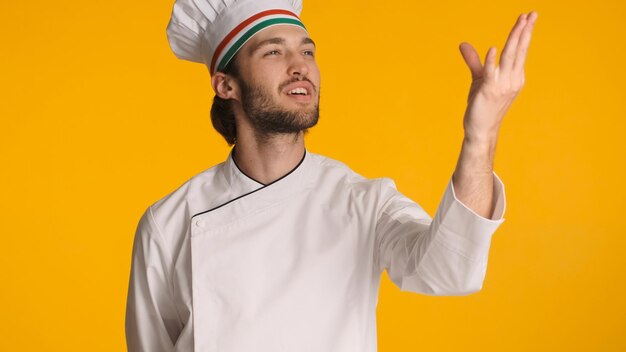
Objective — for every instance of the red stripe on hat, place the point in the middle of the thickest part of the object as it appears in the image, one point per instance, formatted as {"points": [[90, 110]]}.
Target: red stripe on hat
{"points": [[240, 27]]}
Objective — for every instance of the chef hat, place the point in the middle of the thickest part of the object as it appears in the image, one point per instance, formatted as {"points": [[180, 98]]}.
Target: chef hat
{"points": [[212, 31]]}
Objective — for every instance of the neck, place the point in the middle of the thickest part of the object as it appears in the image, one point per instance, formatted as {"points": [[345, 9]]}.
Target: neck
{"points": [[270, 158]]}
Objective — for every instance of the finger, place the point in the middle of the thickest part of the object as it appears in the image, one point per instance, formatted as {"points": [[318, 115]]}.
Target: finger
{"points": [[490, 64], [507, 57], [522, 49], [471, 59]]}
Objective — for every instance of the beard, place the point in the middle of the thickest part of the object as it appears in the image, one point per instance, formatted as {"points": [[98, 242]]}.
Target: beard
{"points": [[268, 118]]}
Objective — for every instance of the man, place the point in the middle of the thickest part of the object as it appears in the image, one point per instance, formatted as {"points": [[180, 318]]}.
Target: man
{"points": [[280, 249]]}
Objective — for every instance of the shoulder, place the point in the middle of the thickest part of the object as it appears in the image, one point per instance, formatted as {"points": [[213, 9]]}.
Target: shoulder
{"points": [[191, 191], [345, 177], [170, 213]]}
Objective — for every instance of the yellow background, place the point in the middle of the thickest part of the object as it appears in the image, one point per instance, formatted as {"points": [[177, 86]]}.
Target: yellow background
{"points": [[99, 120]]}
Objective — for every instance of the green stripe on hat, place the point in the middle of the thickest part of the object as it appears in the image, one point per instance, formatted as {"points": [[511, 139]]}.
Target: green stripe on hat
{"points": [[252, 31]]}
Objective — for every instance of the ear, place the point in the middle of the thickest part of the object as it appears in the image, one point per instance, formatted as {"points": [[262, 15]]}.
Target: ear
{"points": [[225, 86]]}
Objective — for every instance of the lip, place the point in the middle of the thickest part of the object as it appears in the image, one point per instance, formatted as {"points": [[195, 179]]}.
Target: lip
{"points": [[301, 98], [300, 84]]}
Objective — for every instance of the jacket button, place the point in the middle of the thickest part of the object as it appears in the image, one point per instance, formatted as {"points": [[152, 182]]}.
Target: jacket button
{"points": [[199, 223]]}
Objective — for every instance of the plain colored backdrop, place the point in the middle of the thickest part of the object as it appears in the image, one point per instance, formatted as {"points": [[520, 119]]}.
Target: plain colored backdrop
{"points": [[99, 120]]}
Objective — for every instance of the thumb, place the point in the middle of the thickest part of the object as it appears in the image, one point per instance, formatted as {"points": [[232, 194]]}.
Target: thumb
{"points": [[471, 59]]}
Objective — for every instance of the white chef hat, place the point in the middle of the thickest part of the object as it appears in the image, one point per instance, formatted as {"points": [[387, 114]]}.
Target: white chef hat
{"points": [[212, 31]]}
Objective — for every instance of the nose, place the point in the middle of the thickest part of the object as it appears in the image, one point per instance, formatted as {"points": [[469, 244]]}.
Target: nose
{"points": [[297, 65]]}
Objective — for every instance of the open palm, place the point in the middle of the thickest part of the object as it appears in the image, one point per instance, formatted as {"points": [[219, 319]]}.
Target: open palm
{"points": [[494, 88]]}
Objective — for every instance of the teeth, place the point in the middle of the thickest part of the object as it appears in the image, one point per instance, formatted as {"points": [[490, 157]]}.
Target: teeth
{"points": [[298, 91]]}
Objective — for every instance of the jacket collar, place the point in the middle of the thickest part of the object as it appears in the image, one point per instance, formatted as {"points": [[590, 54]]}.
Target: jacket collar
{"points": [[248, 196]]}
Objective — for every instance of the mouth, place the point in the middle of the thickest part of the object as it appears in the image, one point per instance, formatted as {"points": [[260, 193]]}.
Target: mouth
{"points": [[300, 95], [300, 91]]}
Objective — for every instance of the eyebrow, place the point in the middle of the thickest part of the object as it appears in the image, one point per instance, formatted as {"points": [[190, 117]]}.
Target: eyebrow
{"points": [[278, 40]]}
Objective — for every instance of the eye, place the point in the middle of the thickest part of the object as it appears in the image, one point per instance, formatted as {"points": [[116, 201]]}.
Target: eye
{"points": [[272, 52], [309, 53]]}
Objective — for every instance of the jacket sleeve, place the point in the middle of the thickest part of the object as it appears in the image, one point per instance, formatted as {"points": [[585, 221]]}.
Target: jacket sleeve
{"points": [[152, 322], [446, 255]]}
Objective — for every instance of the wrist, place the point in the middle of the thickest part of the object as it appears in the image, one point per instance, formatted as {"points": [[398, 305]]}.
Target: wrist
{"points": [[484, 140]]}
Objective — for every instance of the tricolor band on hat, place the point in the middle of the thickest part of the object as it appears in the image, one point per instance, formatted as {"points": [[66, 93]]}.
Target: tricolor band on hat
{"points": [[212, 31]]}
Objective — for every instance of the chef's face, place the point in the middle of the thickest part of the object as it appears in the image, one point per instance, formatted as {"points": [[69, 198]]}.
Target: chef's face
{"points": [[279, 80]]}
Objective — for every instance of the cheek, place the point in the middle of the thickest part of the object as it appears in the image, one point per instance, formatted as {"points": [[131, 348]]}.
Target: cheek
{"points": [[315, 74], [265, 81], [269, 77]]}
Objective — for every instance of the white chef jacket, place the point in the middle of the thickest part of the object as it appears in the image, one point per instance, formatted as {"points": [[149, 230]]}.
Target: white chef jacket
{"points": [[226, 264]]}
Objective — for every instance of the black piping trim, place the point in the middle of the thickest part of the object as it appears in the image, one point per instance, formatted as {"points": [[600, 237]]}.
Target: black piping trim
{"points": [[240, 170], [258, 189]]}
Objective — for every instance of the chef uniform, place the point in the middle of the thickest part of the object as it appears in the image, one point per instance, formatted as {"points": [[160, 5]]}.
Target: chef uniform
{"points": [[227, 264]]}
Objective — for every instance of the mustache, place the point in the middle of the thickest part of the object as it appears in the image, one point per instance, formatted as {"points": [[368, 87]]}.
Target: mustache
{"points": [[296, 79]]}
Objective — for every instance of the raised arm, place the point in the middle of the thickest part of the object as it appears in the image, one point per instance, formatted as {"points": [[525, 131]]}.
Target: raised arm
{"points": [[447, 255]]}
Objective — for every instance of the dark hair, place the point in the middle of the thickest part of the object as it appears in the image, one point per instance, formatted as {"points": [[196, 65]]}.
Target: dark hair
{"points": [[222, 115]]}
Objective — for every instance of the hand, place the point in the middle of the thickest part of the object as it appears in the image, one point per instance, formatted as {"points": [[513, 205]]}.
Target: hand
{"points": [[494, 88]]}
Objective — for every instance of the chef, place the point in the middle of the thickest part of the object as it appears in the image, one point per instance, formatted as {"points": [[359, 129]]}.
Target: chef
{"points": [[279, 248]]}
